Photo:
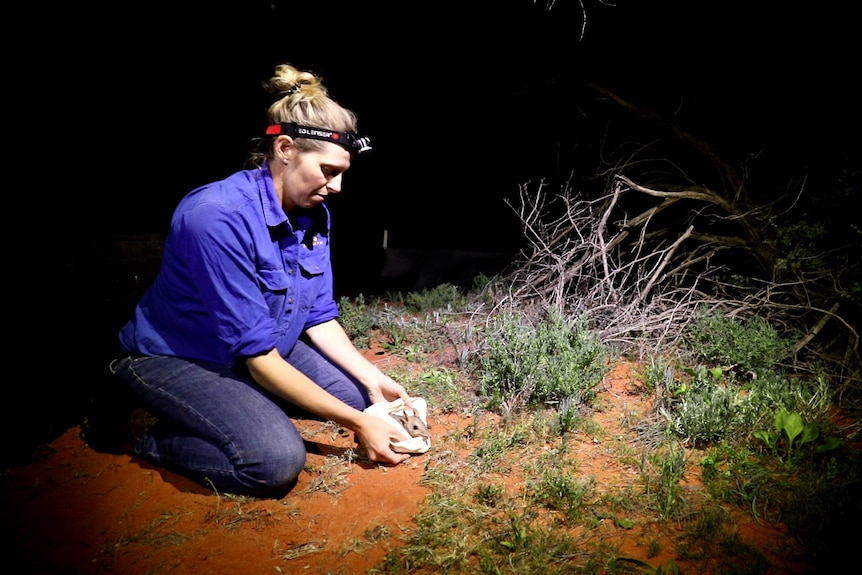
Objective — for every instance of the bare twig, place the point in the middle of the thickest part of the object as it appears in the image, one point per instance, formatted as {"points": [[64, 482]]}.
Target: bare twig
{"points": [[643, 289]]}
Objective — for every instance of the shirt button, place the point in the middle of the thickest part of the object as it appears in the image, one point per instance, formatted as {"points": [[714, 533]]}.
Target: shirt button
{"points": [[290, 300], [290, 272]]}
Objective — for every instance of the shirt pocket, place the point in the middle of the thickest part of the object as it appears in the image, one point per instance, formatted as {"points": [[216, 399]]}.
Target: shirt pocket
{"points": [[313, 262], [274, 280]]}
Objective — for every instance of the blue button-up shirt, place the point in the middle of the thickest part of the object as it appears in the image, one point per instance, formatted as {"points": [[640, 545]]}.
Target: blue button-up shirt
{"points": [[238, 278]]}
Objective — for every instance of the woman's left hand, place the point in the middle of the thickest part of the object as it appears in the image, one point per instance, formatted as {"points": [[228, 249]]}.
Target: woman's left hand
{"points": [[387, 389]]}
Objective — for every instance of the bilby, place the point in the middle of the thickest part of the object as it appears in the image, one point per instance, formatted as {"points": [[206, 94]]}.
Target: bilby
{"points": [[413, 424]]}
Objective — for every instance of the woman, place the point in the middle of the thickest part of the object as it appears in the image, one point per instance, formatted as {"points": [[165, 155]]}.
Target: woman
{"points": [[240, 325]]}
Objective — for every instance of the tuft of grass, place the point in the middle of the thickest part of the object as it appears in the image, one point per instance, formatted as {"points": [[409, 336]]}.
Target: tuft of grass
{"points": [[560, 491], [448, 389], [506, 490], [527, 365], [750, 347], [442, 296], [333, 476], [661, 471], [703, 407]]}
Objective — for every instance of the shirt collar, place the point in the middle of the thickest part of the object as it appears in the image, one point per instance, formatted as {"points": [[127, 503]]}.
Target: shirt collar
{"points": [[273, 213]]}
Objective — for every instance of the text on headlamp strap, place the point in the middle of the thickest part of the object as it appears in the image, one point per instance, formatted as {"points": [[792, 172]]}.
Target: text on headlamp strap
{"points": [[348, 140]]}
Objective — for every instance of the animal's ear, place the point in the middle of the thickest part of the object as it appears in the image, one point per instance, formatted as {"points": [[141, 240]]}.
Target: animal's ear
{"points": [[400, 418]]}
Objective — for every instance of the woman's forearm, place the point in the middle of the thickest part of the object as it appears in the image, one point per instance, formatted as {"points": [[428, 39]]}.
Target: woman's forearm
{"points": [[277, 376], [333, 341]]}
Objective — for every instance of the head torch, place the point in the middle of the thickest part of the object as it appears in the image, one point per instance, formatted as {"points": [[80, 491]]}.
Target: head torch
{"points": [[348, 140]]}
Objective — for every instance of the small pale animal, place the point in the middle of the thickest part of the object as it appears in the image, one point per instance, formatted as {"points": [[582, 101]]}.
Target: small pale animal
{"points": [[413, 424]]}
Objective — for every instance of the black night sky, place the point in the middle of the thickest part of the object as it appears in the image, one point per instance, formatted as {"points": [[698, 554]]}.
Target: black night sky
{"points": [[464, 100]]}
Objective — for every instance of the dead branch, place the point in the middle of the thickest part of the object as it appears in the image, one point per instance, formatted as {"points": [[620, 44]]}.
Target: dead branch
{"points": [[664, 262], [703, 194], [643, 289]]}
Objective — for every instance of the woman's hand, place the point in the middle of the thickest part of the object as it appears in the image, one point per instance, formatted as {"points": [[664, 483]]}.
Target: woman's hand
{"points": [[387, 389], [376, 436]]}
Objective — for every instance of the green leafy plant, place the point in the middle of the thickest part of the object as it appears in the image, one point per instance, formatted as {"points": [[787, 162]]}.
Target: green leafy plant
{"points": [[750, 347], [443, 385], [703, 408], [395, 338], [656, 375], [812, 399], [357, 319], [442, 296], [558, 359], [558, 490], [789, 428]]}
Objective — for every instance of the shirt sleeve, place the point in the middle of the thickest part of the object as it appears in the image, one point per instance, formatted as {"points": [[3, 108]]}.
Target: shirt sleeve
{"points": [[324, 308], [218, 248]]}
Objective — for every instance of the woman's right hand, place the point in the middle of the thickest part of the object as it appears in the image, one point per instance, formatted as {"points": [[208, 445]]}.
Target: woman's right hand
{"points": [[376, 436]]}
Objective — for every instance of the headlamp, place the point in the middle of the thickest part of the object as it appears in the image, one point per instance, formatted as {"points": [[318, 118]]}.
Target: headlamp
{"points": [[348, 140]]}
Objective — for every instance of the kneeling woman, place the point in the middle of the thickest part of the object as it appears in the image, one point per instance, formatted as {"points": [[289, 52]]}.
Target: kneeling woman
{"points": [[240, 327]]}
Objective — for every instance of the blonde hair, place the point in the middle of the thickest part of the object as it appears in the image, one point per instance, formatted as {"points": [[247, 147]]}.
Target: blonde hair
{"points": [[301, 98]]}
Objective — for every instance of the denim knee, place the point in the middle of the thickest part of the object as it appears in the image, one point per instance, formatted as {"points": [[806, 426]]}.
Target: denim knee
{"points": [[273, 473]]}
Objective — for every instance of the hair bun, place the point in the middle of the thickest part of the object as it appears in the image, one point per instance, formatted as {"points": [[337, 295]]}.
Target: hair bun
{"points": [[293, 89]]}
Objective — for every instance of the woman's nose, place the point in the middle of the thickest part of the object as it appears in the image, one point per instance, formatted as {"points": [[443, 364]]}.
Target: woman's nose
{"points": [[334, 184]]}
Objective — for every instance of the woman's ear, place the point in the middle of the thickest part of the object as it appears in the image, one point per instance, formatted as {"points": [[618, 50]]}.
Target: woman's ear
{"points": [[284, 148]]}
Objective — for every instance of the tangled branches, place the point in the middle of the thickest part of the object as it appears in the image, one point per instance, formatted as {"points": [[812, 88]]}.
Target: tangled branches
{"points": [[639, 262]]}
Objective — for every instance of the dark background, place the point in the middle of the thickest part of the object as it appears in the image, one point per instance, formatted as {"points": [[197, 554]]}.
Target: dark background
{"points": [[132, 105], [464, 100]]}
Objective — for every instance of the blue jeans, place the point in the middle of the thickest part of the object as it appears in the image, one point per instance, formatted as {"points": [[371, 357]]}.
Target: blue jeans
{"points": [[220, 428]]}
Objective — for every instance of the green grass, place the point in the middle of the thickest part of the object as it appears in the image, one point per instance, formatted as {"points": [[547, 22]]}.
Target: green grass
{"points": [[509, 492]]}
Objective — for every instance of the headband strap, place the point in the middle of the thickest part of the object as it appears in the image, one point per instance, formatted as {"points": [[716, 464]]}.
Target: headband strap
{"points": [[347, 140]]}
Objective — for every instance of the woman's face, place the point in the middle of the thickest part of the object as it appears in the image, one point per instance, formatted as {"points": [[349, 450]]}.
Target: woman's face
{"points": [[308, 177]]}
